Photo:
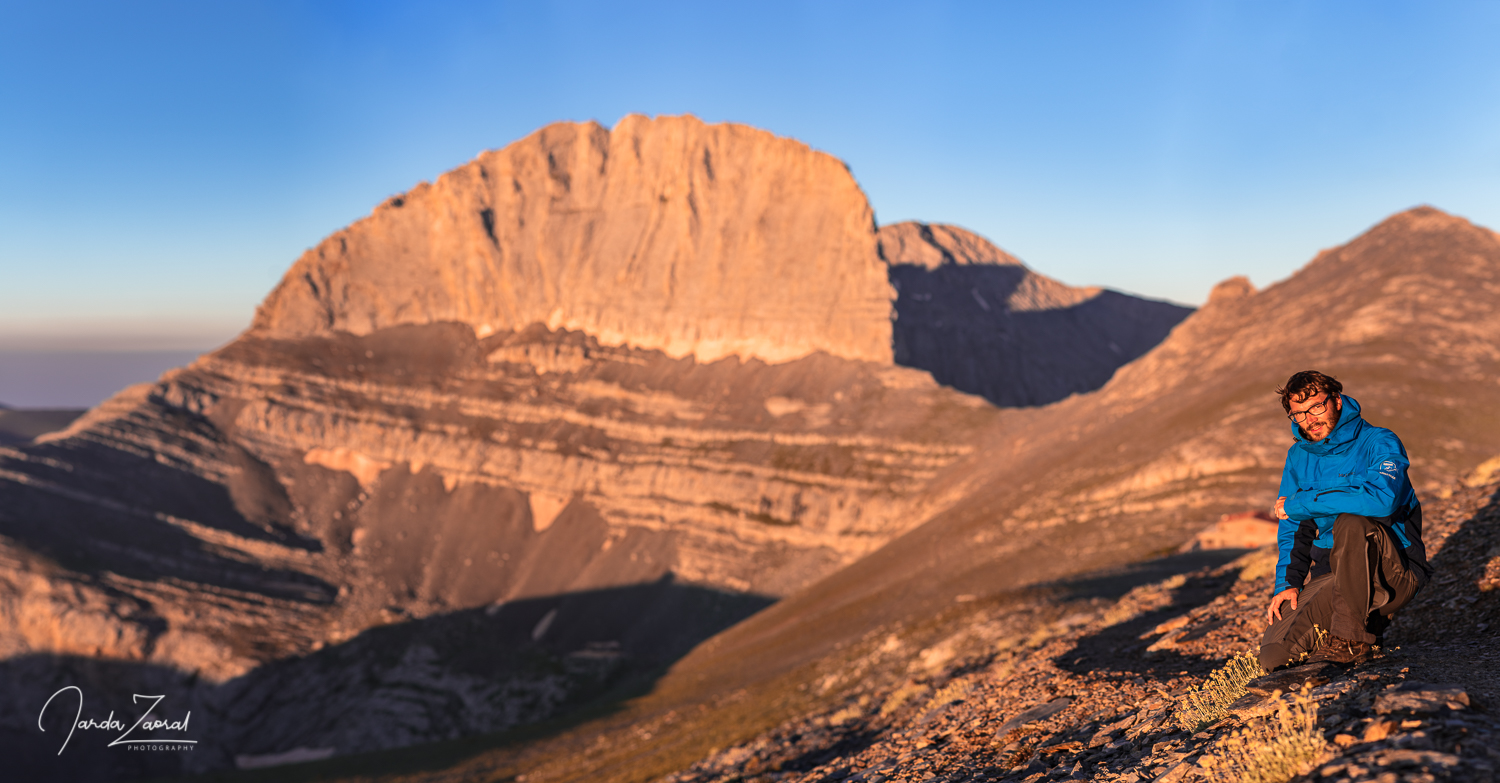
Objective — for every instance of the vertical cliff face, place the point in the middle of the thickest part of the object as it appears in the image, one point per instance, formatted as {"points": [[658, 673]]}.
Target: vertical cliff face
{"points": [[980, 321], [707, 240]]}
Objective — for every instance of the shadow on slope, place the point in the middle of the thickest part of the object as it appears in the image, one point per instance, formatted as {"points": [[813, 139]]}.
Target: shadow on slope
{"points": [[101, 504], [1117, 647], [955, 321], [435, 680], [1460, 606]]}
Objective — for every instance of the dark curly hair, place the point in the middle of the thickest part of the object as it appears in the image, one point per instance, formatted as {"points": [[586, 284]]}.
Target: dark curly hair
{"points": [[1306, 384]]}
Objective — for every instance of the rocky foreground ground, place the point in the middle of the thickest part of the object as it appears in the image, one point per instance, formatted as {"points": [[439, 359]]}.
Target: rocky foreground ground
{"points": [[1102, 693]]}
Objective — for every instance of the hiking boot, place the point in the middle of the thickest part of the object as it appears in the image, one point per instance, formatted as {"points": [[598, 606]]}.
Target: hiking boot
{"points": [[1341, 651]]}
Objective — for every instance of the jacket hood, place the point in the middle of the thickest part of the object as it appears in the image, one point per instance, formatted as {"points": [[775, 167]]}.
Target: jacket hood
{"points": [[1351, 423]]}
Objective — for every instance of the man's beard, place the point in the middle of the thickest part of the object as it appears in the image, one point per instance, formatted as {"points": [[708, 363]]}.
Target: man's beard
{"points": [[1333, 424]]}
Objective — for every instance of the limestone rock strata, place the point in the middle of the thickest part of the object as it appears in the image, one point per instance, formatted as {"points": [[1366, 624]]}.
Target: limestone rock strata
{"points": [[349, 516], [334, 483], [666, 233]]}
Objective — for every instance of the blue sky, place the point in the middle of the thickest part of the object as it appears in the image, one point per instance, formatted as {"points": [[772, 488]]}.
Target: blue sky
{"points": [[164, 163]]}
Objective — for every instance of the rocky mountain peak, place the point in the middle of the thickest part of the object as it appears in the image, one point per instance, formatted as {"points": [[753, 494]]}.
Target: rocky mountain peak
{"points": [[930, 245], [664, 233], [1422, 235], [1427, 218], [1237, 287], [980, 321]]}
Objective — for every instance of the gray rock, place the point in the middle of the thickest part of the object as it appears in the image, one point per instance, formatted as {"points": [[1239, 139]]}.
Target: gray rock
{"points": [[1102, 736], [1421, 697], [1175, 772], [1413, 758], [1288, 680], [1148, 722], [1039, 712]]}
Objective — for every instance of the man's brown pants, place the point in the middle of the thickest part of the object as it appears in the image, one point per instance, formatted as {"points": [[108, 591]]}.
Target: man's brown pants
{"points": [[1369, 577]]}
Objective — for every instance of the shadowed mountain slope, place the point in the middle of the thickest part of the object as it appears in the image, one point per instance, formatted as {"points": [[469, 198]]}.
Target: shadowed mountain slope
{"points": [[981, 322]]}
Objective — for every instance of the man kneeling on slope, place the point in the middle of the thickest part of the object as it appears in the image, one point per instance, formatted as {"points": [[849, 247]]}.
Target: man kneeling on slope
{"points": [[1350, 535]]}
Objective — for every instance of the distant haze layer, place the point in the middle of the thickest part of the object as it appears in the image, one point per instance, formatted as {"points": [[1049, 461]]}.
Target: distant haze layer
{"points": [[78, 379]]}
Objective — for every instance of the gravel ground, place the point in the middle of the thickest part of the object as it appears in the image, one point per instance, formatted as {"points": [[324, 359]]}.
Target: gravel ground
{"points": [[1095, 695]]}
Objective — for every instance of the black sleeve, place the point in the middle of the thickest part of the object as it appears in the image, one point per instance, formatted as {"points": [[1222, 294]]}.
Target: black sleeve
{"points": [[1301, 554]]}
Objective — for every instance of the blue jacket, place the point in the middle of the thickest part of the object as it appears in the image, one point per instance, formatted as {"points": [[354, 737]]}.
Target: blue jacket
{"points": [[1358, 469]]}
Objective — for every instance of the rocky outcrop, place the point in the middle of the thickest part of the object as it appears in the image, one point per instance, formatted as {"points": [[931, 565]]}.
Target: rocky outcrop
{"points": [[703, 240], [981, 322], [1245, 530]]}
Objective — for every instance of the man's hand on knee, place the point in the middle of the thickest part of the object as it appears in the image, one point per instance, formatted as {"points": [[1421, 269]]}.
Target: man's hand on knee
{"points": [[1273, 612]]}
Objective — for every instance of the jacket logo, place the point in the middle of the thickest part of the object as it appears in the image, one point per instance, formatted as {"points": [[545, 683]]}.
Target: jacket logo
{"points": [[1388, 469]]}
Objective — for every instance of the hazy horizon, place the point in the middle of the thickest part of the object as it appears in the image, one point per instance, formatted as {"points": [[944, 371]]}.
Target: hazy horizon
{"points": [[78, 378]]}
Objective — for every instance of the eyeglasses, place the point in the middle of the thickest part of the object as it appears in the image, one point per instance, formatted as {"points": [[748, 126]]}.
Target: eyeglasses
{"points": [[1316, 410]]}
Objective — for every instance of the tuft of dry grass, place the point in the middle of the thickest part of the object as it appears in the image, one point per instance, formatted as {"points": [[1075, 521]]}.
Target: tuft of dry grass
{"points": [[1319, 637], [1203, 705], [901, 696], [953, 691], [1275, 749], [1258, 564], [1024, 751]]}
